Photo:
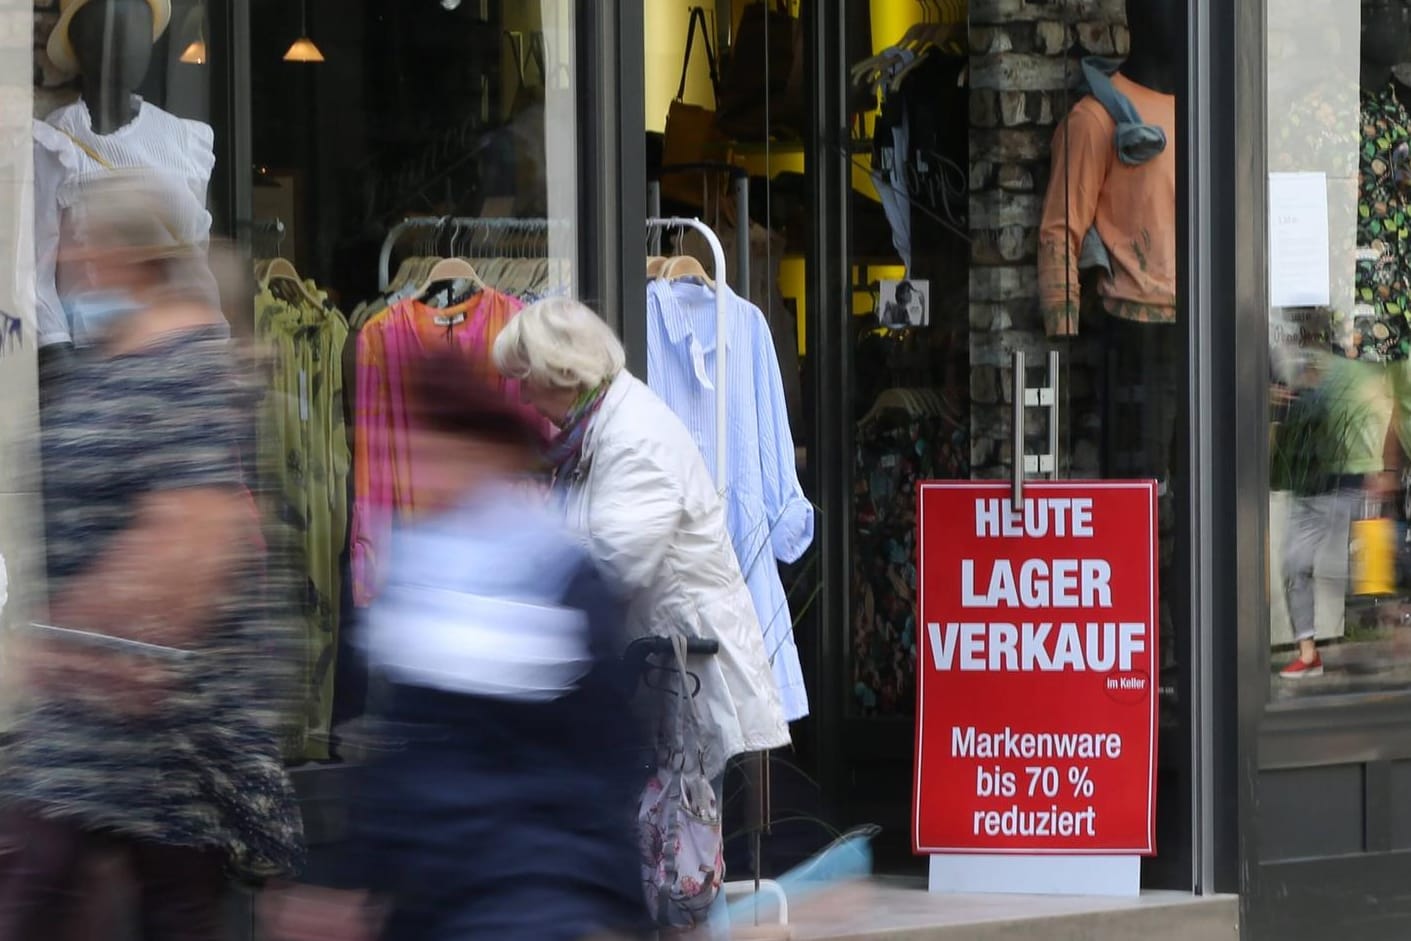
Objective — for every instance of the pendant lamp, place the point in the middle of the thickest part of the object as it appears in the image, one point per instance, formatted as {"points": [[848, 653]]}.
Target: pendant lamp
{"points": [[303, 48], [195, 53]]}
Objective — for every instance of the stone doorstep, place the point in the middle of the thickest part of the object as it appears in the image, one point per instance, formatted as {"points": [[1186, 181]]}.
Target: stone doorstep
{"points": [[901, 910]]}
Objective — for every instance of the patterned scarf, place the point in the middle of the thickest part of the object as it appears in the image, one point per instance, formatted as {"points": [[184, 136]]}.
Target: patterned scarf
{"points": [[566, 450]]}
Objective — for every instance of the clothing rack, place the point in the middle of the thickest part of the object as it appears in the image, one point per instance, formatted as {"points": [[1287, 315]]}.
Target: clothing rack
{"points": [[495, 224], [758, 885], [268, 229], [741, 180], [718, 253]]}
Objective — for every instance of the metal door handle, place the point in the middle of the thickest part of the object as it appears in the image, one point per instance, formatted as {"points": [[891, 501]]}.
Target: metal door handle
{"points": [[1023, 397], [1016, 450], [1053, 413]]}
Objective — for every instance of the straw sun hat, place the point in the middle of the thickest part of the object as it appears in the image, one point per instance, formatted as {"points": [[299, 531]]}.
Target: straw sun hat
{"points": [[60, 48]]}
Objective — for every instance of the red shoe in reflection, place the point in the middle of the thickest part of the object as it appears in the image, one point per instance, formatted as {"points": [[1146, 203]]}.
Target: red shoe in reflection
{"points": [[1301, 669]]}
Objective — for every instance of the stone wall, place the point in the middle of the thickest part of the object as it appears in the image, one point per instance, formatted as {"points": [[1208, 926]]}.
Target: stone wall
{"points": [[1023, 66]]}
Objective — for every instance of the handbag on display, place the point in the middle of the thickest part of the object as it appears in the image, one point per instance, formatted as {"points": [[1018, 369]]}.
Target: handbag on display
{"points": [[690, 129], [749, 106], [678, 819]]}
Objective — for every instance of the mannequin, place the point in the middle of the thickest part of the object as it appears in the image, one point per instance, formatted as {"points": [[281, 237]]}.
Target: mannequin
{"points": [[1129, 202], [1155, 26], [112, 42], [1109, 225], [108, 45]]}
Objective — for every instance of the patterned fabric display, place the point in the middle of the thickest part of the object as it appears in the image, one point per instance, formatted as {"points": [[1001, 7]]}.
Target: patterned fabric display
{"points": [[1377, 331], [891, 457], [678, 819], [566, 450]]}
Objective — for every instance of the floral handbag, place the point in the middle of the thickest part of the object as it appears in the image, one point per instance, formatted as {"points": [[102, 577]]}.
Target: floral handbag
{"points": [[678, 820]]}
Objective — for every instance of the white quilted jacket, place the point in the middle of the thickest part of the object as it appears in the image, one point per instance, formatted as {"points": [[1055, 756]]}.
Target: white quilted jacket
{"points": [[656, 524]]}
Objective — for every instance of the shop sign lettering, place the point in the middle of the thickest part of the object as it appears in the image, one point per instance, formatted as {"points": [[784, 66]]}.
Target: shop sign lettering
{"points": [[1037, 715]]}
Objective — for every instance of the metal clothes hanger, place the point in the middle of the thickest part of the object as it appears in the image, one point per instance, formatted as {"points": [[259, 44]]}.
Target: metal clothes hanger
{"points": [[539, 54], [538, 241], [447, 269], [499, 249], [406, 274], [517, 265], [516, 39], [948, 38], [870, 70], [415, 267]]}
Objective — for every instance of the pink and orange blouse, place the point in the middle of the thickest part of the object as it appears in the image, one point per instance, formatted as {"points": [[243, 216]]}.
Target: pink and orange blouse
{"points": [[383, 487]]}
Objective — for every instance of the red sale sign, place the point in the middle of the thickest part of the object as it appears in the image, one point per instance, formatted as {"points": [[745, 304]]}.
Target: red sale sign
{"points": [[1037, 668]]}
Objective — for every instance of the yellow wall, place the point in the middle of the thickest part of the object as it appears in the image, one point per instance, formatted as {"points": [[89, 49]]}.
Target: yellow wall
{"points": [[665, 26], [890, 21], [665, 22]]}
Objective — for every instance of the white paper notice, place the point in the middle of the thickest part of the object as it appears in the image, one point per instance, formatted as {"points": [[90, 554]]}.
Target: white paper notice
{"points": [[1298, 240]]}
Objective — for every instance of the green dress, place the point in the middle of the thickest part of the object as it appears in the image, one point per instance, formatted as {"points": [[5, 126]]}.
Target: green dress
{"points": [[303, 448]]}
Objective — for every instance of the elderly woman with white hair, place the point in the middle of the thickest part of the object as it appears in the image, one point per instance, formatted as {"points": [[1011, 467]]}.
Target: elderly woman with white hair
{"points": [[632, 479]]}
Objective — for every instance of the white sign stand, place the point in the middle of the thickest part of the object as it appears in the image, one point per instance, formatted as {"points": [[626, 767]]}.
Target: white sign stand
{"points": [[1037, 875]]}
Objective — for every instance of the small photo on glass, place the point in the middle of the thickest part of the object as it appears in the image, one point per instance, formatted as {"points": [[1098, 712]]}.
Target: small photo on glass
{"points": [[905, 303]]}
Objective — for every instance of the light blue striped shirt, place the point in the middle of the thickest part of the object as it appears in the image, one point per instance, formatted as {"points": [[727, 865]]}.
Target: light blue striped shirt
{"points": [[766, 511]]}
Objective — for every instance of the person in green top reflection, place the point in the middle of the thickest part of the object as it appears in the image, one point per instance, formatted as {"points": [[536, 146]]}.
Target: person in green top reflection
{"points": [[1330, 422]]}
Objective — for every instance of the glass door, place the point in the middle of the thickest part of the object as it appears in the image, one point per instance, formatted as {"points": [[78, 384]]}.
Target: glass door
{"points": [[1014, 312]]}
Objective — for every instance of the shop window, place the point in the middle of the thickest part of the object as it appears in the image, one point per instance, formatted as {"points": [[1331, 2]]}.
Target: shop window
{"points": [[414, 181], [1340, 293], [951, 154], [151, 107], [910, 263], [1018, 195], [421, 180], [996, 215], [980, 156], [726, 99]]}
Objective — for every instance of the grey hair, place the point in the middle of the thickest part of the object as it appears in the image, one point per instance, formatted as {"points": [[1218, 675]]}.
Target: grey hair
{"points": [[558, 343]]}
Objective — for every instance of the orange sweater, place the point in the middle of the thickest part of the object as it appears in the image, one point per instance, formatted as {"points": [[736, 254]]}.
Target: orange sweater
{"points": [[1134, 209]]}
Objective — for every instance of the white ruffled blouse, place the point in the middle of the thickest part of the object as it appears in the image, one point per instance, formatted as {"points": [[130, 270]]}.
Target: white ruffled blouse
{"points": [[69, 153]]}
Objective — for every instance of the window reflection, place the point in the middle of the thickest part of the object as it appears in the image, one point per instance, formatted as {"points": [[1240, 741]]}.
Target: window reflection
{"points": [[1340, 418]]}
